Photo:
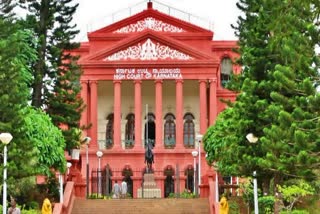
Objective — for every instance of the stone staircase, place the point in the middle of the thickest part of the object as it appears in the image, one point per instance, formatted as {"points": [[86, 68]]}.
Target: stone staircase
{"points": [[141, 206]]}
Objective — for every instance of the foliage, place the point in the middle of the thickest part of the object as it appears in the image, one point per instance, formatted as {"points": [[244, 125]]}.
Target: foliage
{"points": [[184, 194], [47, 140], [96, 196], [50, 189], [15, 58], [187, 194], [247, 192], [295, 212], [233, 207], [56, 73], [277, 95], [293, 193], [266, 204], [24, 191]]}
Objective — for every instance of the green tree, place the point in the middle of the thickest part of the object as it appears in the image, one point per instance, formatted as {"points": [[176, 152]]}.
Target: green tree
{"points": [[57, 75], [293, 192], [278, 101], [6, 9], [47, 141], [15, 77]]}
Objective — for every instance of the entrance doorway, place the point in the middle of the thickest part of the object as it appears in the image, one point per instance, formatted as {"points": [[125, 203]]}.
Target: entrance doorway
{"points": [[189, 179], [127, 173], [150, 130], [168, 182]]}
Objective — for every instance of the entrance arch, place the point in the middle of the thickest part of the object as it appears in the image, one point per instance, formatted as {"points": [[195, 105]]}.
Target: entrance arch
{"points": [[150, 130], [169, 181], [189, 173], [127, 173]]}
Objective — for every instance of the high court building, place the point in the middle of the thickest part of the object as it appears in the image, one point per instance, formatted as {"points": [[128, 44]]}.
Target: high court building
{"points": [[151, 78]]}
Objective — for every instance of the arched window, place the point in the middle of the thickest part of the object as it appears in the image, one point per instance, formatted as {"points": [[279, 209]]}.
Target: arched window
{"points": [[109, 131], [226, 71], [150, 129], [188, 130], [129, 138], [169, 130]]}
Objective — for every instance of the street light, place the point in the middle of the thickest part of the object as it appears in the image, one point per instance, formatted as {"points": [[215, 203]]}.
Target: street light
{"points": [[61, 188], [86, 141], [68, 166], [253, 139], [199, 139], [99, 155], [194, 154], [5, 138]]}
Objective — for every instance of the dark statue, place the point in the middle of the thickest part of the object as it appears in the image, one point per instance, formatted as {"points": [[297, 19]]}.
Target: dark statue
{"points": [[148, 157]]}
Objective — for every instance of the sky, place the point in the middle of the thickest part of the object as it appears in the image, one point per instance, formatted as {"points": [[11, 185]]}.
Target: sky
{"points": [[94, 14]]}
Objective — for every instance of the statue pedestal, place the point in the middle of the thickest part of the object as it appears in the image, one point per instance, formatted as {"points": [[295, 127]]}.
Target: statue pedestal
{"points": [[149, 189]]}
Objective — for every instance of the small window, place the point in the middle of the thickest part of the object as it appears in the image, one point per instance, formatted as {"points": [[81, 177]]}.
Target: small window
{"points": [[188, 131], [226, 71]]}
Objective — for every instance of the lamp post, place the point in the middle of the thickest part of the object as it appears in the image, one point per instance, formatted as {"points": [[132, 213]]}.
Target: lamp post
{"points": [[68, 166], [199, 139], [194, 154], [255, 191], [86, 141], [61, 188], [5, 138], [99, 155], [253, 139]]}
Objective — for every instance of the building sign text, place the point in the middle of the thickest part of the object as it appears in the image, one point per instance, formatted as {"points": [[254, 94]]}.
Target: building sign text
{"points": [[147, 73]]}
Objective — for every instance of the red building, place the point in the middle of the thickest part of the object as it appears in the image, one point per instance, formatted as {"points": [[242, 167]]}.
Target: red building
{"points": [[152, 76]]}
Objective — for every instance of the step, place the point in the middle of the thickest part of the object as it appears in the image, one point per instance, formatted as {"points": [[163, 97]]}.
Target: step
{"points": [[141, 206]]}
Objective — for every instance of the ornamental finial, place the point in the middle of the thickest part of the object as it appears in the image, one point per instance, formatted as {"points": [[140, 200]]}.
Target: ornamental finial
{"points": [[150, 4]]}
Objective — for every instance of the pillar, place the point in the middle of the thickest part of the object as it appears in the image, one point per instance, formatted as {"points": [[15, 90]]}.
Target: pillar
{"points": [[213, 101], [158, 109], [93, 113], [137, 114], [203, 105], [84, 96], [117, 115], [179, 113]]}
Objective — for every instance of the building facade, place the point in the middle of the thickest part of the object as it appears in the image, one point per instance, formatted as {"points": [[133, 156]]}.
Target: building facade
{"points": [[152, 78]]}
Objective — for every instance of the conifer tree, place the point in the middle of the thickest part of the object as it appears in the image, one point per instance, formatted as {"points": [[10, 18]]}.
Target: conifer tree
{"points": [[6, 9], [278, 99], [57, 76]]}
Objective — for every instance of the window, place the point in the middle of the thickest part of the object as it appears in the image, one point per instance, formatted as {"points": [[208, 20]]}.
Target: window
{"points": [[150, 130], [109, 131], [226, 71], [169, 130], [129, 138], [188, 130]]}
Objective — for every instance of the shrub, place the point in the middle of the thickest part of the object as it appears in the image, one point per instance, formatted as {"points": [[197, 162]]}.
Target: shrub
{"points": [[266, 204], [233, 207], [292, 194], [294, 212], [186, 194]]}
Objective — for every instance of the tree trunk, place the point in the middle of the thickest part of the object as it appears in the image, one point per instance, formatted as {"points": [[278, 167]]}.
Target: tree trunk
{"points": [[40, 67], [277, 196], [266, 186]]}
